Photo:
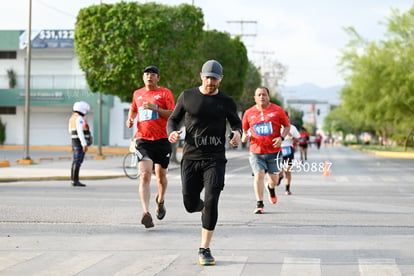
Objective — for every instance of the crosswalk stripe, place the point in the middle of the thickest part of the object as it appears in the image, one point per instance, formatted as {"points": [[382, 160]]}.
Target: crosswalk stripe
{"points": [[341, 179], [378, 267], [148, 267], [226, 265], [74, 265], [240, 169], [364, 179], [153, 265], [389, 178], [301, 266], [9, 259], [408, 179]]}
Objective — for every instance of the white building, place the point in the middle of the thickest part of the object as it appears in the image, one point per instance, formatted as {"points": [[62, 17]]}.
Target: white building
{"points": [[56, 82]]}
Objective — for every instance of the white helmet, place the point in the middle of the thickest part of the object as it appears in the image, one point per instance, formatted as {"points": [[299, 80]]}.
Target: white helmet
{"points": [[82, 107]]}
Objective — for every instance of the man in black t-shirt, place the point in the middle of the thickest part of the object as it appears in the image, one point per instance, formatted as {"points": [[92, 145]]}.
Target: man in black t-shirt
{"points": [[205, 111]]}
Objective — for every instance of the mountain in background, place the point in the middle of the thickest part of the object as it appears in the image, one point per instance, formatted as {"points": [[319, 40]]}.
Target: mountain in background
{"points": [[316, 101], [311, 91]]}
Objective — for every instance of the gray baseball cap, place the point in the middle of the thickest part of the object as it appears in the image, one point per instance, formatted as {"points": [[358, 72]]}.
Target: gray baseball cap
{"points": [[212, 68]]}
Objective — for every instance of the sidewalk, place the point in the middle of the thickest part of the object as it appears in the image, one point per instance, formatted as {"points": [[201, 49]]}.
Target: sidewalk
{"points": [[59, 168], [110, 167], [55, 164]]}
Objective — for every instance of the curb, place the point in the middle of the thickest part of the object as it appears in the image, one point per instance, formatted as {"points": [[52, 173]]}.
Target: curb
{"points": [[4, 163], [389, 154], [106, 152], [93, 149], [406, 155], [50, 178]]}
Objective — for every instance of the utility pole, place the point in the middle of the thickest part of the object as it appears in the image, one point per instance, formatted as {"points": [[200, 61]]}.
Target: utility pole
{"points": [[100, 155], [263, 54], [262, 66], [242, 22], [27, 159]]}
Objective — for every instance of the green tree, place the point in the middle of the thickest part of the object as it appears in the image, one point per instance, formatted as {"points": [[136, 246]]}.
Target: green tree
{"points": [[379, 86], [232, 54], [253, 80], [339, 121], [295, 117], [115, 42]]}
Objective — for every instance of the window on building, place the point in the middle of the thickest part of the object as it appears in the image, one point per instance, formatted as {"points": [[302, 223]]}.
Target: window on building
{"points": [[128, 132], [8, 54], [7, 110]]}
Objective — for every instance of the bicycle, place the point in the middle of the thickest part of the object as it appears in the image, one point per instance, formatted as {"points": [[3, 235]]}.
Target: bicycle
{"points": [[130, 162]]}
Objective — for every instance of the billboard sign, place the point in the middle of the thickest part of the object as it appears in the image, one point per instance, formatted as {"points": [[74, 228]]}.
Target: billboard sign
{"points": [[48, 39]]}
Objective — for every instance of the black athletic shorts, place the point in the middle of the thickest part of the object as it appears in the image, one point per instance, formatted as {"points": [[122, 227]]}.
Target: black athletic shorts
{"points": [[288, 159], [199, 174], [159, 151]]}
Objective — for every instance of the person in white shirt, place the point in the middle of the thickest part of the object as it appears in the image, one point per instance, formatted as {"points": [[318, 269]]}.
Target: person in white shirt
{"points": [[288, 152]]}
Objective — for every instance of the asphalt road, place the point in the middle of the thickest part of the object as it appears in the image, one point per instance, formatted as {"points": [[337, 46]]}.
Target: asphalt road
{"points": [[356, 221]]}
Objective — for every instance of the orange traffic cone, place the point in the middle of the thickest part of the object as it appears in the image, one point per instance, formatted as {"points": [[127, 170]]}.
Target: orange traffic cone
{"points": [[326, 169]]}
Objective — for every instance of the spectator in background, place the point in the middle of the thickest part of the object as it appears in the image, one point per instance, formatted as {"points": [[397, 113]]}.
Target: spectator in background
{"points": [[81, 139]]}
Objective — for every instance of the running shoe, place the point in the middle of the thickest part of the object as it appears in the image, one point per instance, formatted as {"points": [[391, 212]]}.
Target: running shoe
{"points": [[160, 212], [147, 220], [288, 192], [259, 208], [205, 257], [272, 195]]}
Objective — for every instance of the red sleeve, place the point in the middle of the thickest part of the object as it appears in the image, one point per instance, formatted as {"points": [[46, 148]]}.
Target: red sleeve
{"points": [[169, 99], [133, 104], [245, 122]]}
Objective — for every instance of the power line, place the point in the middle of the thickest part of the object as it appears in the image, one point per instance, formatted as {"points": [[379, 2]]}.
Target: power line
{"points": [[242, 22], [55, 9], [263, 53]]}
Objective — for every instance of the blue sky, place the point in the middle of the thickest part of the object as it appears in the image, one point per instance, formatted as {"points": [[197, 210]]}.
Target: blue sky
{"points": [[306, 36]]}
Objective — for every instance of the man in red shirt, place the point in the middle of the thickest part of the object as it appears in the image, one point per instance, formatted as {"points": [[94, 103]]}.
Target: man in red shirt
{"points": [[318, 140], [152, 105], [303, 144], [262, 123]]}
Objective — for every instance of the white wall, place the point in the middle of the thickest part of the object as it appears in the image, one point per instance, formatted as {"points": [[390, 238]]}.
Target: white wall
{"points": [[47, 127], [117, 124], [12, 128]]}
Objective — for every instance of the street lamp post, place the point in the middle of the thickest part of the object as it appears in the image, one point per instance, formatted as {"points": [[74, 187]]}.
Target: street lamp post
{"points": [[27, 98]]}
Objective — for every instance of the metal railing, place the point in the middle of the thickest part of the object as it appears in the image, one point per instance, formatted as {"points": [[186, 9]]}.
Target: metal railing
{"points": [[47, 82]]}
